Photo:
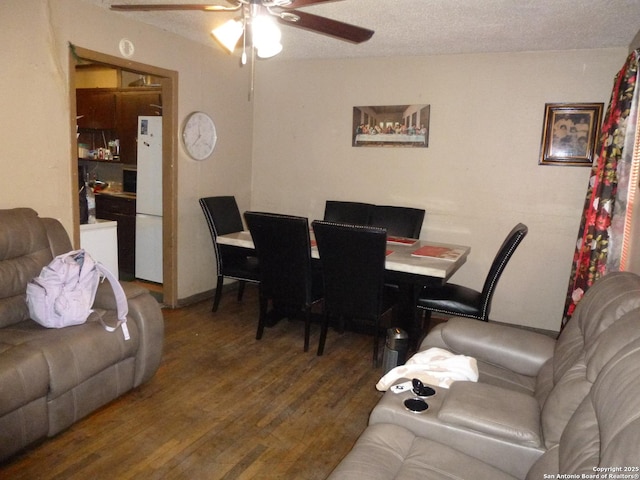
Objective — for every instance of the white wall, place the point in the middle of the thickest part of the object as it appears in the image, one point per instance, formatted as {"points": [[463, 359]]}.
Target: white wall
{"points": [[635, 43], [478, 177], [34, 119]]}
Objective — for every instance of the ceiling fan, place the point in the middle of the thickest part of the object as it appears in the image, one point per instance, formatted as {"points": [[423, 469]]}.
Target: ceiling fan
{"points": [[257, 22]]}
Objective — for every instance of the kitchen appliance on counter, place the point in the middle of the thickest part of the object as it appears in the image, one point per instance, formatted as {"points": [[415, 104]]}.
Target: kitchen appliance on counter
{"points": [[149, 200], [129, 179]]}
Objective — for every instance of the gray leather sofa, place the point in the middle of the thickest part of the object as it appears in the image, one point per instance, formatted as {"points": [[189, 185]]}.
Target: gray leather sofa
{"points": [[50, 378], [541, 407]]}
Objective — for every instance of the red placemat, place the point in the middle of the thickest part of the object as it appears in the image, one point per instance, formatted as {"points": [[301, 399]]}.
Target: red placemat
{"points": [[444, 253], [401, 240]]}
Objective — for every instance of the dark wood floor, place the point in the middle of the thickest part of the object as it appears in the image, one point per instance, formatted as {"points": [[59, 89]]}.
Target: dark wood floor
{"points": [[223, 406]]}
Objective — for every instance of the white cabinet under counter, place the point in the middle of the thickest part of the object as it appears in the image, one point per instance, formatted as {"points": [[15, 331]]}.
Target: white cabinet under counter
{"points": [[100, 239]]}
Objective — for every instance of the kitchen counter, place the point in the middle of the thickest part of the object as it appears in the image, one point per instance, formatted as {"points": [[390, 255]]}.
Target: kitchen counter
{"points": [[120, 207], [128, 195], [100, 239]]}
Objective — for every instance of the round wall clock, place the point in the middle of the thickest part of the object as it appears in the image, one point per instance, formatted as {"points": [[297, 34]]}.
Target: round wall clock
{"points": [[199, 135]]}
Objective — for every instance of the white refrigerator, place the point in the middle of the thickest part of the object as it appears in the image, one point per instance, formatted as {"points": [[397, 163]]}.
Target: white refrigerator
{"points": [[149, 200]]}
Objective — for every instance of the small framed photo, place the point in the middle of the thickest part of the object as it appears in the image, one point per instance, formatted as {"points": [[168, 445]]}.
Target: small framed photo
{"points": [[570, 133]]}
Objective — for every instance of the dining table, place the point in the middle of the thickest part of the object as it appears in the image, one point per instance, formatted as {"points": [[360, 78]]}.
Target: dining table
{"points": [[411, 264]]}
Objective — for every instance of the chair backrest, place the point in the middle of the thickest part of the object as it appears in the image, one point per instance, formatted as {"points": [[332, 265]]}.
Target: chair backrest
{"points": [[27, 243], [222, 215], [503, 256], [283, 248], [605, 428], [606, 319], [353, 266], [399, 221], [355, 213], [595, 421]]}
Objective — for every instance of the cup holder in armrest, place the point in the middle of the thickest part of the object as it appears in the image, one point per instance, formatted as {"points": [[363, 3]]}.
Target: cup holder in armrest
{"points": [[422, 390], [415, 404]]}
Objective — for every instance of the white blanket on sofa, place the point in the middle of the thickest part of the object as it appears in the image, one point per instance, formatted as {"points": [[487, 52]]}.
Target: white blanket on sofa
{"points": [[433, 366]]}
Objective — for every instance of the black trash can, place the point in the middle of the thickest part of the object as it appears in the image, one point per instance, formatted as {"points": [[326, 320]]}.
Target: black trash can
{"points": [[395, 349]]}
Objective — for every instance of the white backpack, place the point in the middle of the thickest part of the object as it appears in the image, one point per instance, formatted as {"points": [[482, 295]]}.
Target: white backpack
{"points": [[63, 294]]}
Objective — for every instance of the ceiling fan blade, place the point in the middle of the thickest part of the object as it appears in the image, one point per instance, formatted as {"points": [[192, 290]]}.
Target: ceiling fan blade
{"points": [[173, 6], [325, 26]]}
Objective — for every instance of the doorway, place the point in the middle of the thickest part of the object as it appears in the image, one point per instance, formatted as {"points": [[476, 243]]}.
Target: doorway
{"points": [[168, 81]]}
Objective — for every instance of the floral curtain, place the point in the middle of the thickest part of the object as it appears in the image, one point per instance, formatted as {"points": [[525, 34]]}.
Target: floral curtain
{"points": [[601, 235]]}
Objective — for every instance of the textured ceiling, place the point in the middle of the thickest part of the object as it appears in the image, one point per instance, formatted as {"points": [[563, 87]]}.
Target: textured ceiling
{"points": [[425, 27]]}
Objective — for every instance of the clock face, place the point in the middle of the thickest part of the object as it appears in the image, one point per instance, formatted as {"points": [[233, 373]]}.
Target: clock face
{"points": [[199, 135]]}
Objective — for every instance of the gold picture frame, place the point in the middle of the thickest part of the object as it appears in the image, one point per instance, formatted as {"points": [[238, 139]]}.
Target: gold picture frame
{"points": [[570, 133]]}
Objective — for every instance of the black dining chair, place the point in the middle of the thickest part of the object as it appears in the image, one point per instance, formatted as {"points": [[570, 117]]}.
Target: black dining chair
{"points": [[356, 213], [456, 300], [223, 217], [352, 259], [287, 279], [399, 221]]}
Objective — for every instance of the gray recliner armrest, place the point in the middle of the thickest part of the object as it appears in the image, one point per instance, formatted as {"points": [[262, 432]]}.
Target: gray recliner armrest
{"points": [[518, 350], [105, 298], [491, 410], [145, 311]]}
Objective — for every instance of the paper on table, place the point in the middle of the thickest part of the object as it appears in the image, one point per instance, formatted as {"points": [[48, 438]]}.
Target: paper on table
{"points": [[444, 253], [401, 240]]}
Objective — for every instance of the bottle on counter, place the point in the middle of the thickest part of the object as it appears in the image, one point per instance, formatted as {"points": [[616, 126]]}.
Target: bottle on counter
{"points": [[82, 197], [91, 203]]}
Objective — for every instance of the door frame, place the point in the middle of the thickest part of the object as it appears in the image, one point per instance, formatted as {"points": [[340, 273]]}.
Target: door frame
{"points": [[169, 85]]}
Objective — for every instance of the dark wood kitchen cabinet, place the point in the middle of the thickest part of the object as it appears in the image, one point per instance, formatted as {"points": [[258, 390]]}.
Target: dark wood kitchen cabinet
{"points": [[110, 113], [129, 106], [122, 209], [96, 108]]}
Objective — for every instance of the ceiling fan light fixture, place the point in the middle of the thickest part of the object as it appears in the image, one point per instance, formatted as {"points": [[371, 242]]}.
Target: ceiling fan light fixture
{"points": [[268, 51], [266, 36], [228, 34]]}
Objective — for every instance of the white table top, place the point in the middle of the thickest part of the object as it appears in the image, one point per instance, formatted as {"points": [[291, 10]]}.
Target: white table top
{"points": [[399, 260]]}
